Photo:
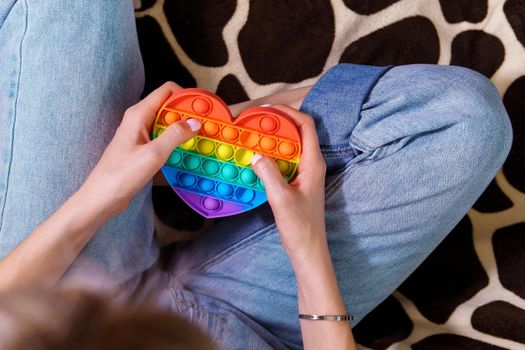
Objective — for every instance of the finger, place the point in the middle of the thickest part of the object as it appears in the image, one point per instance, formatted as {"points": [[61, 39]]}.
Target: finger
{"points": [[268, 171], [309, 139], [174, 135], [312, 164], [144, 112]]}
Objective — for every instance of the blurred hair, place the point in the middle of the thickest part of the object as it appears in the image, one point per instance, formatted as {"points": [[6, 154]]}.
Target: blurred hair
{"points": [[55, 319]]}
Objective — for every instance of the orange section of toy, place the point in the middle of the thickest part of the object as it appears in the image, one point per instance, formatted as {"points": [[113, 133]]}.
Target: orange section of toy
{"points": [[263, 130]]}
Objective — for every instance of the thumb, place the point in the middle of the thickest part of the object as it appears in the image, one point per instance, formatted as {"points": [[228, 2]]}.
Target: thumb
{"points": [[269, 173], [174, 135]]}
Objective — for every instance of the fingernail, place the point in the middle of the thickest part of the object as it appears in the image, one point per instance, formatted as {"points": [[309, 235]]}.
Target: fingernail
{"points": [[266, 105], [194, 124], [256, 158]]}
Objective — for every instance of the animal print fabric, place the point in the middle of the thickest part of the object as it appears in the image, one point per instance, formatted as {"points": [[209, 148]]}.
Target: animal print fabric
{"points": [[470, 293]]}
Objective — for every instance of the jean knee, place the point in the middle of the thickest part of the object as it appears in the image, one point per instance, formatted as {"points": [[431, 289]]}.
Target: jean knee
{"points": [[483, 130], [485, 115], [422, 98], [474, 99], [471, 104]]}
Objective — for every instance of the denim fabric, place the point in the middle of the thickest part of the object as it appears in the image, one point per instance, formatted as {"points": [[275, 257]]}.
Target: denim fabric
{"points": [[68, 71], [409, 150]]}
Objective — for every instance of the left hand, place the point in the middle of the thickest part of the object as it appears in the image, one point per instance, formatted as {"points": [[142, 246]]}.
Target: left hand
{"points": [[131, 160]]}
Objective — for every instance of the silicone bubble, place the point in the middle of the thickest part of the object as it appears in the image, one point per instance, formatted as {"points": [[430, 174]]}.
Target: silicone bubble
{"points": [[229, 134], [211, 203], [249, 139], [174, 158], [244, 195], [224, 152], [229, 172], [243, 157], [201, 105], [171, 117], [210, 167], [191, 162], [269, 124], [190, 144], [187, 180], [248, 177], [267, 143], [287, 149], [225, 189], [210, 128], [206, 185], [205, 147]]}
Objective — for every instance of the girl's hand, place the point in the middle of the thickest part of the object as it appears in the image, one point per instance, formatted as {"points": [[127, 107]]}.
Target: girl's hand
{"points": [[299, 214], [131, 160], [128, 163], [298, 207]]}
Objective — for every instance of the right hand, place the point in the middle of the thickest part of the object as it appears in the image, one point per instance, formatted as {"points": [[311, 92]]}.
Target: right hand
{"points": [[298, 207]]}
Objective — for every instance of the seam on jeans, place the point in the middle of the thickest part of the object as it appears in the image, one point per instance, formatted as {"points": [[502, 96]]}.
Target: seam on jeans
{"points": [[336, 148], [377, 154], [337, 151], [203, 313], [14, 117], [361, 144]]}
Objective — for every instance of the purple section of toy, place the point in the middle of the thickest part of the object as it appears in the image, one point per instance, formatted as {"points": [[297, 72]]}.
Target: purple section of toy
{"points": [[210, 207]]}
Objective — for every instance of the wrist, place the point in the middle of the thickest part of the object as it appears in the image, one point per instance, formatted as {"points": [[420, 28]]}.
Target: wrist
{"points": [[96, 204], [317, 286], [313, 255], [75, 222], [311, 242]]}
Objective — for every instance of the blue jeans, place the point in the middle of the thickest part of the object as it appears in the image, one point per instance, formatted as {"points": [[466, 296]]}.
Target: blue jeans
{"points": [[409, 149]]}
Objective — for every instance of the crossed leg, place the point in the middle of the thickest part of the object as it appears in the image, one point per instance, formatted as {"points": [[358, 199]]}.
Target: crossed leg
{"points": [[417, 154]]}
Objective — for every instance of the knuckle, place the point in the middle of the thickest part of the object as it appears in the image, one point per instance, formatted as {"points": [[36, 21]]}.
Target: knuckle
{"points": [[309, 121], [179, 130], [264, 164], [170, 85], [267, 166], [260, 166], [128, 114]]}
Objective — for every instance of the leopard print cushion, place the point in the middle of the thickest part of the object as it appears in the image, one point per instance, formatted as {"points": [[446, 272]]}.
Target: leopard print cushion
{"points": [[470, 293]]}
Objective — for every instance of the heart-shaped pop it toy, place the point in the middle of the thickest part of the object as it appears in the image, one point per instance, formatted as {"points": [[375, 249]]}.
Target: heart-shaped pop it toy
{"points": [[212, 171]]}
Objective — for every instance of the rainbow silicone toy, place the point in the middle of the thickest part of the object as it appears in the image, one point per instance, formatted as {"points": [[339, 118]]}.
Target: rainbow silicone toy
{"points": [[212, 171]]}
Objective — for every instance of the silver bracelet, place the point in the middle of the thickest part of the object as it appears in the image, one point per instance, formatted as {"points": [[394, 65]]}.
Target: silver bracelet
{"points": [[326, 317]]}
